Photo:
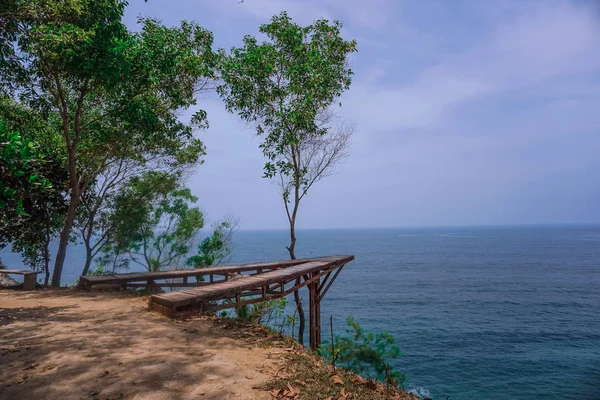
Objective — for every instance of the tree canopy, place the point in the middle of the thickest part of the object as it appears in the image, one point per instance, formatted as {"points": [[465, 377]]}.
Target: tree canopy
{"points": [[283, 84], [106, 92]]}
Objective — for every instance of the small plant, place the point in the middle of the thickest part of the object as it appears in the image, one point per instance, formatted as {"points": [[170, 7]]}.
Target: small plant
{"points": [[99, 270], [266, 309], [366, 353]]}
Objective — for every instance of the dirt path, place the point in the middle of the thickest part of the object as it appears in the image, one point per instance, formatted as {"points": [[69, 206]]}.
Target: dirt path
{"points": [[72, 345]]}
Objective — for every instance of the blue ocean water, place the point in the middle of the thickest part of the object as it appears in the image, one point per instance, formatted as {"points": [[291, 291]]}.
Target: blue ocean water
{"points": [[492, 313]]}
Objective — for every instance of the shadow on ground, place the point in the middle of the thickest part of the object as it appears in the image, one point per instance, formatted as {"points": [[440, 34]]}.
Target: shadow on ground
{"points": [[73, 345]]}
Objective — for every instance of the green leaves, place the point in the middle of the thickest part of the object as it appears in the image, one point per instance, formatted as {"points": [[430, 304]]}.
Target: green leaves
{"points": [[103, 93], [19, 157], [366, 353], [155, 221], [214, 248], [283, 84]]}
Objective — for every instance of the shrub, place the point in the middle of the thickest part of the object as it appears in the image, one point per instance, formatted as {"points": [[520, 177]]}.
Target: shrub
{"points": [[366, 353]]}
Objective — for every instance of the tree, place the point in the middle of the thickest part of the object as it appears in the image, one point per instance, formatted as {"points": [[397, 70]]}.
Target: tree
{"points": [[286, 87], [157, 234], [109, 88], [95, 220]]}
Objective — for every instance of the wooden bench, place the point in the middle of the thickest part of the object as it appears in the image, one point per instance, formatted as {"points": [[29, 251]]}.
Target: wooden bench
{"points": [[213, 275], [29, 277]]}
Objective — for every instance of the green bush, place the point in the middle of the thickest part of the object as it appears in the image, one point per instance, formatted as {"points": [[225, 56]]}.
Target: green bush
{"points": [[266, 309], [366, 353]]}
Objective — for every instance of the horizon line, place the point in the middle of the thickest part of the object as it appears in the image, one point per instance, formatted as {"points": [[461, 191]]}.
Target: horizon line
{"points": [[536, 225]]}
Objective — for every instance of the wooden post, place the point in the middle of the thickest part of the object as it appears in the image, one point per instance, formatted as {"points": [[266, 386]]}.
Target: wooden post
{"points": [[29, 281], [315, 313]]}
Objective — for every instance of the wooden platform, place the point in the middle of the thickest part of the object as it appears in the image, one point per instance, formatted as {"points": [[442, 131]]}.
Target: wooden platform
{"points": [[221, 273], [235, 285], [259, 287]]}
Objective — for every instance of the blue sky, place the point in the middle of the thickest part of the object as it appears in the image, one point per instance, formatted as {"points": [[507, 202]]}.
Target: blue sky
{"points": [[467, 113]]}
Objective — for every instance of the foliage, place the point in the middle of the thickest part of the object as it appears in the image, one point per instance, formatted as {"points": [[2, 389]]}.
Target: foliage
{"points": [[157, 234], [99, 270], [214, 249], [107, 92], [282, 85], [114, 207], [257, 312], [19, 176], [37, 176], [366, 353], [109, 263]]}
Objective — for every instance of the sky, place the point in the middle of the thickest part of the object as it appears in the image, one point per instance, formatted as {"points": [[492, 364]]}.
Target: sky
{"points": [[467, 112]]}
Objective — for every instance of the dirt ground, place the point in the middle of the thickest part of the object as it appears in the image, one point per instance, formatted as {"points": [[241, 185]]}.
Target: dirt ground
{"points": [[66, 344]]}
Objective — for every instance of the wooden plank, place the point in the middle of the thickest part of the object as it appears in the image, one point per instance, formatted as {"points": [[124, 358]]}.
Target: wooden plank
{"points": [[233, 288], [225, 271], [18, 272]]}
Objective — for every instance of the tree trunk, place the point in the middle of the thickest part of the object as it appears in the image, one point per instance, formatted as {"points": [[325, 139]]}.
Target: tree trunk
{"points": [[64, 241], [69, 219], [47, 259], [88, 259], [297, 299]]}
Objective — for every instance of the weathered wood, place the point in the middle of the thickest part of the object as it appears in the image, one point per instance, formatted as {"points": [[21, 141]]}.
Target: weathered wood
{"points": [[29, 277], [313, 312], [167, 284], [256, 288], [18, 272], [323, 289], [224, 271], [240, 285], [29, 281]]}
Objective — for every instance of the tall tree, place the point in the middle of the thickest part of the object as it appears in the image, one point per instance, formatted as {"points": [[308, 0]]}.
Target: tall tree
{"points": [[111, 89], [286, 87]]}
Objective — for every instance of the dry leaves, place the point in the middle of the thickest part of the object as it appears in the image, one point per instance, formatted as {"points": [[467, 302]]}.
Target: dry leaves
{"points": [[358, 379], [337, 379], [290, 393], [344, 394]]}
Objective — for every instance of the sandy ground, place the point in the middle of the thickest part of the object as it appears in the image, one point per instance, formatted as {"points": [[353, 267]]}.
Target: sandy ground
{"points": [[67, 344]]}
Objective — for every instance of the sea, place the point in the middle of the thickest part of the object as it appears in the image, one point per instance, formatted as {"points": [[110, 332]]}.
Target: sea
{"points": [[492, 313]]}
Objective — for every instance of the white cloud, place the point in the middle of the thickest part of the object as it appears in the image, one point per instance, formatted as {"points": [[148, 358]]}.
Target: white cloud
{"points": [[537, 46], [479, 114], [374, 14]]}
